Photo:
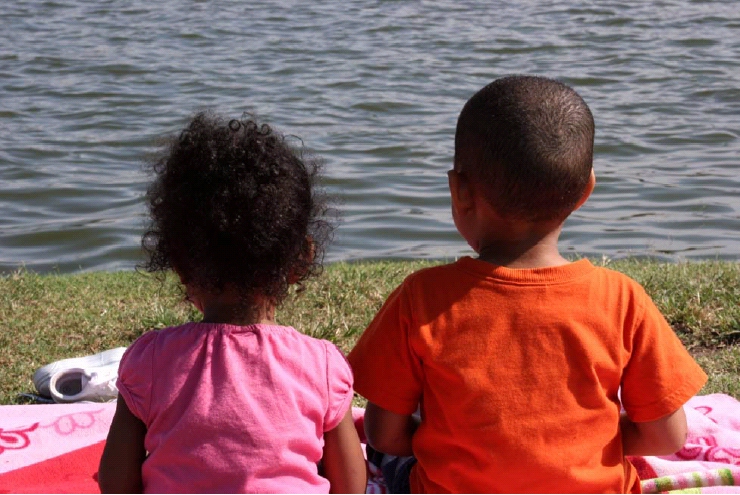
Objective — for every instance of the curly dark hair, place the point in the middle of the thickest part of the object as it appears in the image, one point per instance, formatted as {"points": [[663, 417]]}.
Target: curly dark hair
{"points": [[234, 204]]}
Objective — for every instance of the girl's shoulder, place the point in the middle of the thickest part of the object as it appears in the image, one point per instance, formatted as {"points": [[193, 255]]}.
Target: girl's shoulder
{"points": [[289, 337], [152, 335], [289, 343], [146, 343], [285, 333], [280, 342]]}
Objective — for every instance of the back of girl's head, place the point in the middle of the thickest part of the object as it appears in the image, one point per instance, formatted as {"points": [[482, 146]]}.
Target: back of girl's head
{"points": [[233, 205], [528, 143]]}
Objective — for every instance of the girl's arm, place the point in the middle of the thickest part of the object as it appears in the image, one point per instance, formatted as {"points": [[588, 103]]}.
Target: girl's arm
{"points": [[663, 436], [124, 453], [343, 461]]}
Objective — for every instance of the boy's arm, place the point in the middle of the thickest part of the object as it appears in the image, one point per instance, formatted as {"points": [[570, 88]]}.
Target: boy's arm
{"points": [[388, 432], [663, 436], [124, 453], [343, 462], [660, 376]]}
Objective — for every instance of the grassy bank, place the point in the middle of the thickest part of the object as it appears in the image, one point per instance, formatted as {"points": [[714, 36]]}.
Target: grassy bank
{"points": [[44, 318]]}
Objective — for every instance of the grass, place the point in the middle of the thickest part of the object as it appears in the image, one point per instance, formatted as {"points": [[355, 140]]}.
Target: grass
{"points": [[44, 318]]}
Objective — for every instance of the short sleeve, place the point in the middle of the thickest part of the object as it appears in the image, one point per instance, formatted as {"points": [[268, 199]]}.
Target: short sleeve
{"points": [[339, 378], [387, 371], [660, 375], [135, 375]]}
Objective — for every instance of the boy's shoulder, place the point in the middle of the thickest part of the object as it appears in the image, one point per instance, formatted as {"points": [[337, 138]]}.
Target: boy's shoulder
{"points": [[440, 269], [466, 269], [478, 269], [582, 275], [617, 278], [435, 274]]}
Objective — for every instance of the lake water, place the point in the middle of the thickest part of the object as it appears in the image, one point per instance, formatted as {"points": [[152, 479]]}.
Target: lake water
{"points": [[374, 87]]}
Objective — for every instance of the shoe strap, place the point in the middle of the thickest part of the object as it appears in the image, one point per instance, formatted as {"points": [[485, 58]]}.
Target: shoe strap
{"points": [[101, 379]]}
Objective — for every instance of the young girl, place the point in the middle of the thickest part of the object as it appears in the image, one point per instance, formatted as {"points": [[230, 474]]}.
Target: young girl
{"points": [[234, 403]]}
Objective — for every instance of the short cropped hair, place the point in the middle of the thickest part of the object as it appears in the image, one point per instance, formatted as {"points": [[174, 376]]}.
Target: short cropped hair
{"points": [[528, 142]]}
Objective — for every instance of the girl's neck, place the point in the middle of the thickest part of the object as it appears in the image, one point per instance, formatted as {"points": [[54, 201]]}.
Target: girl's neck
{"points": [[237, 315], [229, 308]]}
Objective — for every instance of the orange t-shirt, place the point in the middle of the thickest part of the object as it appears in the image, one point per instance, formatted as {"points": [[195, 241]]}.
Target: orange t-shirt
{"points": [[518, 374]]}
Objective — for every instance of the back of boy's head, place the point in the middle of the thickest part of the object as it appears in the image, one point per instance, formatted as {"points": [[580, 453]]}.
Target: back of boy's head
{"points": [[527, 143], [234, 205]]}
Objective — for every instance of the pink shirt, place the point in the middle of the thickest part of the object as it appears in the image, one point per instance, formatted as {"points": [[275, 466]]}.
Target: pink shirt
{"points": [[234, 409]]}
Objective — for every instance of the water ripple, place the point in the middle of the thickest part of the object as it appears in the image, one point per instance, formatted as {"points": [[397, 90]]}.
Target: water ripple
{"points": [[374, 88]]}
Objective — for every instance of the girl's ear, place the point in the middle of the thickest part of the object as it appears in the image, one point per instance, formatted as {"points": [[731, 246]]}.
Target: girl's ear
{"points": [[191, 294], [310, 249], [307, 257], [194, 298]]}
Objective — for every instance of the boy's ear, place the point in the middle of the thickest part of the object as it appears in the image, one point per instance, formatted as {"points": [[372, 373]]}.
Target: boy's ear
{"points": [[587, 192], [460, 192]]}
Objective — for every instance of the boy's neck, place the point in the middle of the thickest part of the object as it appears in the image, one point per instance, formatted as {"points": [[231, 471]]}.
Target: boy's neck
{"points": [[528, 248]]}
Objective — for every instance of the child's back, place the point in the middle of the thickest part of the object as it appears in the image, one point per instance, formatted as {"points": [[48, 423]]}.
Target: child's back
{"points": [[518, 372], [517, 358], [235, 403], [234, 408]]}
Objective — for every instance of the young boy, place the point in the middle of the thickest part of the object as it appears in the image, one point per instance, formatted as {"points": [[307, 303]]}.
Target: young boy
{"points": [[520, 360]]}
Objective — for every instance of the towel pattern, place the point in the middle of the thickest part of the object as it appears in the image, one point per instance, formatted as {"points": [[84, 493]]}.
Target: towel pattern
{"points": [[56, 448]]}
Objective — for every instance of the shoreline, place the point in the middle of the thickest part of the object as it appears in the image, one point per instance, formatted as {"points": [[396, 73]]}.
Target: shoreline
{"points": [[49, 317]]}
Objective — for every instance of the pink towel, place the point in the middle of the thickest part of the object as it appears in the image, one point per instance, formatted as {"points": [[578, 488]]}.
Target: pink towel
{"points": [[710, 460], [52, 448], [56, 449]]}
